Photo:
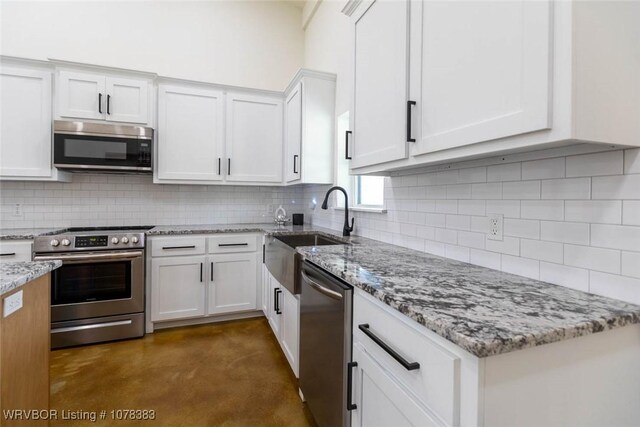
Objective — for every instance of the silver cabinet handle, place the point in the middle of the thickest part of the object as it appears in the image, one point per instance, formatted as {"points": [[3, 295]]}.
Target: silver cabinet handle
{"points": [[92, 326], [318, 287]]}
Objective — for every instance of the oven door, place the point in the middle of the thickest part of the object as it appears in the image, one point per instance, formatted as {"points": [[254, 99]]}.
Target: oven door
{"points": [[91, 152], [96, 284]]}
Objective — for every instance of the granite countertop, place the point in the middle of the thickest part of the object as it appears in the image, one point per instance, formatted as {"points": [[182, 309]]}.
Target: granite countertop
{"points": [[484, 311], [27, 233], [15, 274]]}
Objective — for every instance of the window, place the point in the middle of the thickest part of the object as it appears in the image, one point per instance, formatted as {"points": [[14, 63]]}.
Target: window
{"points": [[364, 191]]}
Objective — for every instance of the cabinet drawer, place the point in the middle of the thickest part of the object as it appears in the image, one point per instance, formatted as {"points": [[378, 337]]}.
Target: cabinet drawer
{"points": [[15, 251], [436, 383], [232, 242], [172, 246]]}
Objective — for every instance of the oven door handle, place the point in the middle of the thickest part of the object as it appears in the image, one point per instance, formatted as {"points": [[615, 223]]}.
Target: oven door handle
{"points": [[89, 257]]}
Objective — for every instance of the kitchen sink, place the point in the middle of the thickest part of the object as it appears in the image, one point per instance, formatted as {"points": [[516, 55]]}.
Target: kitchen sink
{"points": [[295, 240], [282, 260]]}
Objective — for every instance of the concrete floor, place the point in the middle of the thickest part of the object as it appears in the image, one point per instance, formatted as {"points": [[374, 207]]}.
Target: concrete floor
{"points": [[223, 374]]}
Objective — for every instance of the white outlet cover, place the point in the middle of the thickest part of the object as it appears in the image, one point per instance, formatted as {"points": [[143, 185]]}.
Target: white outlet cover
{"points": [[495, 224], [12, 304]]}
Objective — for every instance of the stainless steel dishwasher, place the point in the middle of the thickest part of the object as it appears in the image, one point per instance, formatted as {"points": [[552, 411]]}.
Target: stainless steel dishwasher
{"points": [[326, 305]]}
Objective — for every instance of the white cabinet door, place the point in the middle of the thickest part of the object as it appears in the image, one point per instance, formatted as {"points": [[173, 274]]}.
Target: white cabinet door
{"points": [[289, 335], [178, 287], [381, 83], [254, 138], [190, 133], [25, 122], [232, 283], [127, 100], [481, 71], [274, 300], [81, 95], [380, 400], [265, 290], [293, 133]]}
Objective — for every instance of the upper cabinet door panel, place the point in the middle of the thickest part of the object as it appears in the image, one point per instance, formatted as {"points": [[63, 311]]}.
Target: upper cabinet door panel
{"points": [[381, 83], [81, 95], [25, 123], [483, 71], [254, 138], [293, 133], [190, 133], [127, 100]]}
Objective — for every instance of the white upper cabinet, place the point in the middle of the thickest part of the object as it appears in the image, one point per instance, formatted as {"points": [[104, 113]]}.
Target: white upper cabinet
{"points": [[381, 82], [487, 78], [190, 134], [25, 122], [254, 138], [309, 125], [293, 133], [93, 96], [481, 71]]}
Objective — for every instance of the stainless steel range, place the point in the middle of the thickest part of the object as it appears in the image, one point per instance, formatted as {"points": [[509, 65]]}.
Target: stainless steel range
{"points": [[98, 293]]}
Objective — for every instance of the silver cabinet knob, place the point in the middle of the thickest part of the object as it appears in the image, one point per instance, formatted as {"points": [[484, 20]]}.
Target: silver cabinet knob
{"points": [[65, 242], [134, 239], [115, 240], [125, 240], [54, 242]]}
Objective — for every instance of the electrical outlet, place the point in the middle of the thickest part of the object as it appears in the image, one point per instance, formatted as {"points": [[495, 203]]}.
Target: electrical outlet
{"points": [[17, 211], [12, 304], [495, 227]]}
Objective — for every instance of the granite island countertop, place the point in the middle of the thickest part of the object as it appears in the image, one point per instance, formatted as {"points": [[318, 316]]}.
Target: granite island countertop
{"points": [[484, 311], [15, 274]]}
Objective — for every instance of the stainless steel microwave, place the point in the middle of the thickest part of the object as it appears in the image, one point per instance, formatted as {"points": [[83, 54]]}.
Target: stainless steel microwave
{"points": [[102, 147]]}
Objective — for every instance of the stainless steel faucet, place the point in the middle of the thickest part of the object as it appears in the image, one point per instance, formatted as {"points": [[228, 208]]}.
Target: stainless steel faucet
{"points": [[346, 230]]}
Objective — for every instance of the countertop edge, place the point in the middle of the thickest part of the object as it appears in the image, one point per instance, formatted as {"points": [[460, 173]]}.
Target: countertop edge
{"points": [[33, 270]]}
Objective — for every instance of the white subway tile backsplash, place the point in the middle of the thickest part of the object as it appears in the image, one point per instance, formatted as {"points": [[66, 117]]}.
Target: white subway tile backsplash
{"points": [[522, 228], [632, 161], [471, 239], [631, 212], [544, 169], [606, 163], [619, 187], [486, 191], [615, 237], [613, 286], [570, 188], [446, 206], [509, 245], [521, 190], [506, 172], [446, 236], [542, 209], [521, 266], [472, 175], [541, 250], [565, 232], [472, 207], [631, 264], [606, 260], [508, 208], [436, 248], [458, 222], [571, 277], [459, 191], [456, 252], [485, 258], [594, 211]]}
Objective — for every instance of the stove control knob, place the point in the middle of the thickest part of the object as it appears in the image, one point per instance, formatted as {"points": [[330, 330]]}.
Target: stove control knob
{"points": [[115, 240], [65, 242], [134, 239], [54, 242], [125, 240]]}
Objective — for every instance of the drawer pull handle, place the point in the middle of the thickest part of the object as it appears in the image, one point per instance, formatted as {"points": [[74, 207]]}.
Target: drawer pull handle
{"points": [[179, 247], [8, 254], [350, 366], [409, 366], [232, 244]]}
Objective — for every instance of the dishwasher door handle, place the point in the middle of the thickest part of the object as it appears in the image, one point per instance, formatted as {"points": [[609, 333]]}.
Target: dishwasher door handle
{"points": [[318, 287], [409, 366]]}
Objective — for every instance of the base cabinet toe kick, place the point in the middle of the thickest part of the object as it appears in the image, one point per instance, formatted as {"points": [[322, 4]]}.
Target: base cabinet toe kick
{"points": [[405, 374]]}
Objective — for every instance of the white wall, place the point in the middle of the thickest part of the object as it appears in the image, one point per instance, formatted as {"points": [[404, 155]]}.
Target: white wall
{"points": [[97, 200], [245, 43]]}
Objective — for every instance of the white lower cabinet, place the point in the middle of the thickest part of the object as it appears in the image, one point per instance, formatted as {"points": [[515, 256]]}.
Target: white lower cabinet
{"points": [[283, 314], [232, 283], [178, 287], [15, 250], [184, 285], [380, 400]]}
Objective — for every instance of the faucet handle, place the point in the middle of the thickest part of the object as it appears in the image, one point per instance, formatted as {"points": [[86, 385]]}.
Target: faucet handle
{"points": [[352, 221]]}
